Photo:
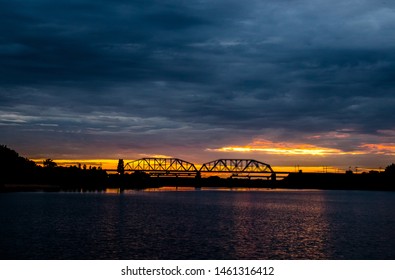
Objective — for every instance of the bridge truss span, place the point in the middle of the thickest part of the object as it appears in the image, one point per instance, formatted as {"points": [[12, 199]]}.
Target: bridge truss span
{"points": [[178, 167], [238, 167], [162, 166]]}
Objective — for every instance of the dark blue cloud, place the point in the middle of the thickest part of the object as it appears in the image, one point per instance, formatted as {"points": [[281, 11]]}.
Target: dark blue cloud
{"points": [[200, 73]]}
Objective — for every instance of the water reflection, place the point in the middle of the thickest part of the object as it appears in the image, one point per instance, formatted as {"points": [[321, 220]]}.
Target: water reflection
{"points": [[186, 224], [113, 191], [170, 188], [362, 224], [272, 228]]}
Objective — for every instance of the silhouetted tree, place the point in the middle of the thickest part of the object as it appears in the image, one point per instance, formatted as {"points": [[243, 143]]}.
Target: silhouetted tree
{"points": [[9, 159], [390, 169], [13, 167], [49, 163], [120, 168]]}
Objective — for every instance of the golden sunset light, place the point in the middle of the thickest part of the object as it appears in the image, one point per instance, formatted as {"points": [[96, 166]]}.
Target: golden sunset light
{"points": [[89, 163], [303, 150], [293, 149], [197, 130], [383, 149]]}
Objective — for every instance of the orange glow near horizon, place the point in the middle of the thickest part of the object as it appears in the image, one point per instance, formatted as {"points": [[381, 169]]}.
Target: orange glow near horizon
{"points": [[111, 164], [381, 148], [103, 163], [305, 151], [282, 148], [285, 149]]}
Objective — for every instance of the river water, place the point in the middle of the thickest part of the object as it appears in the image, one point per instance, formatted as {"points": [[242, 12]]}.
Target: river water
{"points": [[270, 224]]}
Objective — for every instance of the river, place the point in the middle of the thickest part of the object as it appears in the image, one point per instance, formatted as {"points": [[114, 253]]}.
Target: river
{"points": [[198, 224]]}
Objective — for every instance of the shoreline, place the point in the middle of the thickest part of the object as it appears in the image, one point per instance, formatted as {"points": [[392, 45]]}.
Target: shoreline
{"points": [[21, 188]]}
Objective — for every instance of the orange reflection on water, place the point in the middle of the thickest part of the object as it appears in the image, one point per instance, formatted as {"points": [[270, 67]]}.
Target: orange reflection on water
{"points": [[169, 188], [113, 191]]}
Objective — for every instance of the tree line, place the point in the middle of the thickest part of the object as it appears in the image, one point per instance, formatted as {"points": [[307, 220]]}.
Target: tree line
{"points": [[18, 170], [15, 169]]}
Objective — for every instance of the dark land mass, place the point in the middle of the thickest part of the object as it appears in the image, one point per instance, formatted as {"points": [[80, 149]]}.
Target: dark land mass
{"points": [[383, 181], [21, 174]]}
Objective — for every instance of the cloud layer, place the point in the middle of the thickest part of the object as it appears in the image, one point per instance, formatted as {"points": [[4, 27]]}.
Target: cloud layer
{"points": [[183, 78]]}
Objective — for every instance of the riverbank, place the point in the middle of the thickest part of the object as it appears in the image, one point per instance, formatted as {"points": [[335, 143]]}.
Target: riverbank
{"points": [[324, 181]]}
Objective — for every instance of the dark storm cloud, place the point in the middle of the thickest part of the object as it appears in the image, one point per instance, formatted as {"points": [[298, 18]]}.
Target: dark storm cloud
{"points": [[195, 73], [63, 42]]}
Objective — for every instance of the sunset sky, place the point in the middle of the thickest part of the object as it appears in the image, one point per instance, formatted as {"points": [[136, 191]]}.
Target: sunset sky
{"points": [[287, 82]]}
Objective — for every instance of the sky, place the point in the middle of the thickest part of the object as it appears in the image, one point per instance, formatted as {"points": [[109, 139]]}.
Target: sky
{"points": [[286, 82]]}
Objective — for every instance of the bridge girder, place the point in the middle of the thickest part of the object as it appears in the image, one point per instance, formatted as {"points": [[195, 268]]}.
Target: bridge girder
{"points": [[178, 167], [163, 165], [236, 166]]}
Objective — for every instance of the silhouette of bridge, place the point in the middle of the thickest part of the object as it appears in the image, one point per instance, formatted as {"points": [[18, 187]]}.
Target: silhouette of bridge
{"points": [[162, 166], [178, 167]]}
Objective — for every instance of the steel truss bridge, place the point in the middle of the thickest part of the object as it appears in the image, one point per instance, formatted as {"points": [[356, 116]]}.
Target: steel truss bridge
{"points": [[177, 167], [162, 166]]}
